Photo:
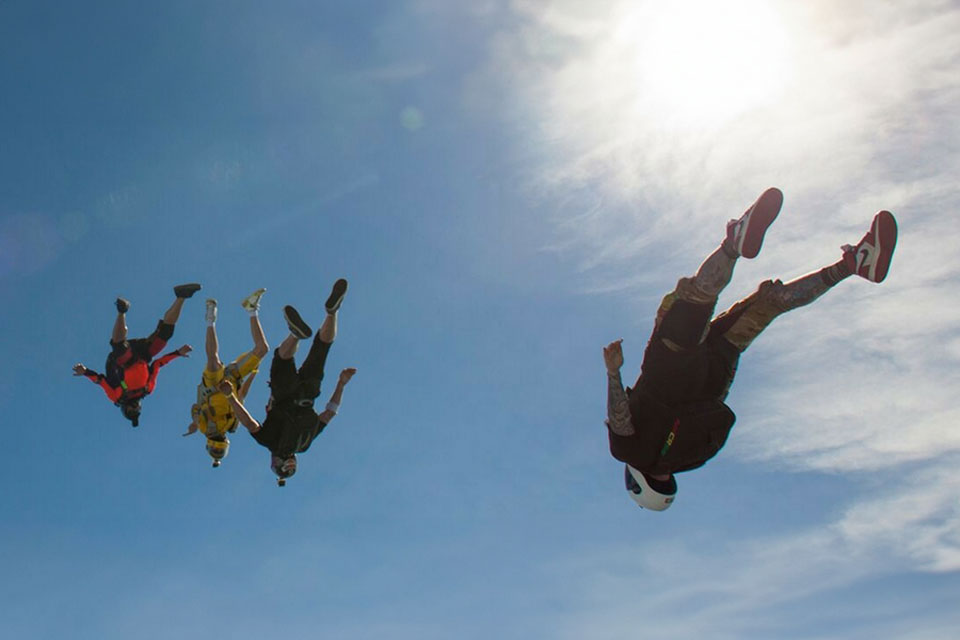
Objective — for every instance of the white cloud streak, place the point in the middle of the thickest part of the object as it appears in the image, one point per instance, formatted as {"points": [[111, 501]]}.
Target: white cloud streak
{"points": [[739, 588]]}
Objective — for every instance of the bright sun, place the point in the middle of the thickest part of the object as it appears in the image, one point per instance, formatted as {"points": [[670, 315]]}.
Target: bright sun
{"points": [[702, 62]]}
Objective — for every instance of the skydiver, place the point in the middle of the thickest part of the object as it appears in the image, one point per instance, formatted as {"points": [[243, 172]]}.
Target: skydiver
{"points": [[130, 372], [291, 422], [212, 414], [674, 418]]}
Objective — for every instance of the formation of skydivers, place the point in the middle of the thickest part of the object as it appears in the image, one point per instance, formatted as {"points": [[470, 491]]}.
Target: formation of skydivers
{"points": [[673, 419], [291, 422]]}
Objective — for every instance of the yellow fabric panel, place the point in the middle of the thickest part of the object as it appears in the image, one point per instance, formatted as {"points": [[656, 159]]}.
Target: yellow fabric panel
{"points": [[215, 409]]}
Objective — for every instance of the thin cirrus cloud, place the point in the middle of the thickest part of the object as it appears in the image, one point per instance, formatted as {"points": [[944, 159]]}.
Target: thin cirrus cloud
{"points": [[848, 87], [742, 586]]}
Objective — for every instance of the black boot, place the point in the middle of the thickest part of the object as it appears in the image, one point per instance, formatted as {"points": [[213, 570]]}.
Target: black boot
{"points": [[186, 290], [336, 295]]}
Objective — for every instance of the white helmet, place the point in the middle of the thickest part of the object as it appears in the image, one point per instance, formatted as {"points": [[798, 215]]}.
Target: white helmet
{"points": [[648, 492]]}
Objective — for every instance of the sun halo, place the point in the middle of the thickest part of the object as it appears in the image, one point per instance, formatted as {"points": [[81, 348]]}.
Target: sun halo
{"points": [[701, 62]]}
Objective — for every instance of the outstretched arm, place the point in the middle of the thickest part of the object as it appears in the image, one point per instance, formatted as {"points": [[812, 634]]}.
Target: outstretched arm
{"points": [[163, 360], [239, 410], [337, 396], [194, 416], [245, 387], [618, 406], [113, 393], [167, 357]]}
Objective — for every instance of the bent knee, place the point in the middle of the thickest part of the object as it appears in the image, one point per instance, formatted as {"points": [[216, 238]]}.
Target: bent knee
{"points": [[164, 330]]}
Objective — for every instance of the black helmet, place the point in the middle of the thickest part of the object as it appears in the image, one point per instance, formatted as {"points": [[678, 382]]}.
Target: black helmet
{"points": [[131, 411]]}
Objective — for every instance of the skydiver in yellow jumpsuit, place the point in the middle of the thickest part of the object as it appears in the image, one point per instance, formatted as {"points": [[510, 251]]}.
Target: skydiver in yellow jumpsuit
{"points": [[212, 415]]}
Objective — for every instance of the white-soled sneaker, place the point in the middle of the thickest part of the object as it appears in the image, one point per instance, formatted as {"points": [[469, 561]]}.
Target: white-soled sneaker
{"points": [[211, 313], [252, 301]]}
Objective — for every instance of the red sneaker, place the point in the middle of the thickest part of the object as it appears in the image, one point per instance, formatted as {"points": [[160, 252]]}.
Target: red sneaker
{"points": [[871, 257], [745, 235]]}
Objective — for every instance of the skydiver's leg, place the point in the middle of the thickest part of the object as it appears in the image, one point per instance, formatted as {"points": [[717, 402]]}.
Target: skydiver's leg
{"points": [[870, 259], [328, 330], [252, 304], [119, 333], [212, 344], [745, 320], [155, 342], [288, 348], [242, 369], [119, 346], [673, 363], [260, 346], [299, 330], [312, 368], [284, 382], [683, 318], [182, 292], [173, 313], [311, 373]]}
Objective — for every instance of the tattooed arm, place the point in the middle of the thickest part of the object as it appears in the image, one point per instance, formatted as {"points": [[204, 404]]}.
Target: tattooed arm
{"points": [[618, 408]]}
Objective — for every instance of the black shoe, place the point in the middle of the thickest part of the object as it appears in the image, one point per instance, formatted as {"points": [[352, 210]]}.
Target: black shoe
{"points": [[186, 290], [298, 327], [336, 296], [123, 305]]}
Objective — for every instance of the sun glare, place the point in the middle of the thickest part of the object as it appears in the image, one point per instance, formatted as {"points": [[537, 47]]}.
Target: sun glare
{"points": [[703, 62]]}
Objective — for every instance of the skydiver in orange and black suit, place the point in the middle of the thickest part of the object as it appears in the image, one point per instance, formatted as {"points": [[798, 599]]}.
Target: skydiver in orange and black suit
{"points": [[130, 371]]}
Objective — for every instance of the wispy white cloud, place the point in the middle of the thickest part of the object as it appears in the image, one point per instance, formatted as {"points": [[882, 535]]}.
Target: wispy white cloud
{"points": [[397, 72], [733, 588], [827, 135]]}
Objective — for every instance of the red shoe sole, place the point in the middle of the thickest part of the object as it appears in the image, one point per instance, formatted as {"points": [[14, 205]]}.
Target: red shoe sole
{"points": [[885, 239], [761, 215]]}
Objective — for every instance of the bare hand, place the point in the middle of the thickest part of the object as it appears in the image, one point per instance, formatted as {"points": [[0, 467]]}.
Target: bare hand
{"points": [[225, 387], [185, 350], [346, 374], [613, 356], [192, 429], [79, 369]]}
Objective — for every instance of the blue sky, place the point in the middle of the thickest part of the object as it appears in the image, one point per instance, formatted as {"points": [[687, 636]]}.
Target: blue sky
{"points": [[508, 186]]}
